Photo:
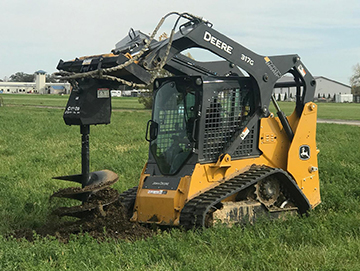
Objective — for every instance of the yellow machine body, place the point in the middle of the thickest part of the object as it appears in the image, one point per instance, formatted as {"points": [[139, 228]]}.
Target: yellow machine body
{"points": [[160, 207]]}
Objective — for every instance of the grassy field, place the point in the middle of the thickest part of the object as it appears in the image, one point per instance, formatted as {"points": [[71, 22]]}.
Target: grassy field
{"points": [[35, 145], [345, 111], [125, 103], [326, 110]]}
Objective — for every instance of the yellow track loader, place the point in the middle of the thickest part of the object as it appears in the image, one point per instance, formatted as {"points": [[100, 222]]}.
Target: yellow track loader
{"points": [[216, 152]]}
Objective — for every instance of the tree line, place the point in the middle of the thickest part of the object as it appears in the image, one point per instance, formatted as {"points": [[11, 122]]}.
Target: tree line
{"points": [[355, 80], [27, 77]]}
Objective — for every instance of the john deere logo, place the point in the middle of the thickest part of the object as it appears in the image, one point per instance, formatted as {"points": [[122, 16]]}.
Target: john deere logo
{"points": [[304, 152]]}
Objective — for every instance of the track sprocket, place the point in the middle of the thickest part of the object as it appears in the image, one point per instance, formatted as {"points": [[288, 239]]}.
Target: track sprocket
{"points": [[267, 191]]}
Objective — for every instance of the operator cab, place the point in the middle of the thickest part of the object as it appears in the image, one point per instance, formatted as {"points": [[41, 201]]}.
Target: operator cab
{"points": [[195, 118]]}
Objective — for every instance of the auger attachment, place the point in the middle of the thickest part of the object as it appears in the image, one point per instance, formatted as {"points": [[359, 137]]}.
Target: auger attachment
{"points": [[91, 184], [89, 104]]}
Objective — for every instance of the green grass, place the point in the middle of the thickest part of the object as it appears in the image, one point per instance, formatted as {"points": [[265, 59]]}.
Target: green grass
{"points": [[346, 111], [125, 103], [35, 145]]}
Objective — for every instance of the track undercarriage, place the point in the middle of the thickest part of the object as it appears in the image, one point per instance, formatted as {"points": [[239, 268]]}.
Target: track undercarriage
{"points": [[242, 199]]}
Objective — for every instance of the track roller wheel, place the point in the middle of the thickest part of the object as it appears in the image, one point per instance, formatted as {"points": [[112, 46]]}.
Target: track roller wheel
{"points": [[267, 191]]}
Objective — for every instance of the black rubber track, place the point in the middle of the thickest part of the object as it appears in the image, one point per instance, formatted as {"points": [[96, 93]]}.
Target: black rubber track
{"points": [[127, 199], [193, 215]]}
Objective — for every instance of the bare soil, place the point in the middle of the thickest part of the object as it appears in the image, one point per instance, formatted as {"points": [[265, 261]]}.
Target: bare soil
{"points": [[104, 223]]}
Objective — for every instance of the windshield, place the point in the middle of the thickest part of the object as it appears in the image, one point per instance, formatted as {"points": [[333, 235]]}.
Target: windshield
{"points": [[175, 113]]}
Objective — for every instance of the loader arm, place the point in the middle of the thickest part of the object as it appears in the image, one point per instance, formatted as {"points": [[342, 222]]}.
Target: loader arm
{"points": [[197, 33], [266, 70]]}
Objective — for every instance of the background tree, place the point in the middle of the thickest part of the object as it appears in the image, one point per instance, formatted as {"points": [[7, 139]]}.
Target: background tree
{"points": [[22, 77], [50, 78], [25, 77], [147, 98], [355, 80]]}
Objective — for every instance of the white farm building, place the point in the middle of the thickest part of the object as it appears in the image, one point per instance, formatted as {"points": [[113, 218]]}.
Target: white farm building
{"points": [[325, 88], [39, 86]]}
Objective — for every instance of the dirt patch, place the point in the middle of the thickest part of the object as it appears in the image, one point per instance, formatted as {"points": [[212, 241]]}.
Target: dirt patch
{"points": [[104, 223]]}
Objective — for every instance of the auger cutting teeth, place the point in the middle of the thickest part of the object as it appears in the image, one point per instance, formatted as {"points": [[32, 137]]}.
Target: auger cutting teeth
{"points": [[96, 203], [102, 176], [97, 181]]}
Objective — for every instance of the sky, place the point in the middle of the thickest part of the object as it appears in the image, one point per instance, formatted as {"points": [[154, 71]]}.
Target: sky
{"points": [[36, 34]]}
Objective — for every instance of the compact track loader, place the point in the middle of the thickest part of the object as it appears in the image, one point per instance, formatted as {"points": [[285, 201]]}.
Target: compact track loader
{"points": [[216, 152]]}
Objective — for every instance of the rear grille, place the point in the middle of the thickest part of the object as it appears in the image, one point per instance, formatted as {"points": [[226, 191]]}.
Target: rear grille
{"points": [[226, 116]]}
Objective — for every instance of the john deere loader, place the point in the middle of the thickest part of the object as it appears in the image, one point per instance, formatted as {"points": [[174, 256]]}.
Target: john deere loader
{"points": [[216, 151]]}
